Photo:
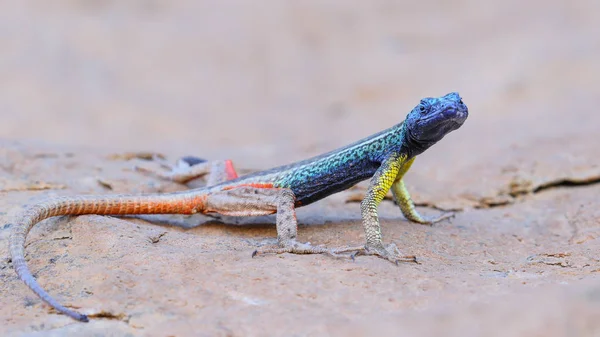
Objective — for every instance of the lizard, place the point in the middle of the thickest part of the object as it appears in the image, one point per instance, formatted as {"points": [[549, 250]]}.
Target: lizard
{"points": [[384, 157]]}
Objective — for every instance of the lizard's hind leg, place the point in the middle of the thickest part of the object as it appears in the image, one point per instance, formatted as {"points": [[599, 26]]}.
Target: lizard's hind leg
{"points": [[287, 230], [252, 201], [189, 168]]}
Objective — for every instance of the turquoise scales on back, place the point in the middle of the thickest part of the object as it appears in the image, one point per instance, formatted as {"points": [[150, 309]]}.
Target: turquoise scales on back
{"points": [[335, 171]]}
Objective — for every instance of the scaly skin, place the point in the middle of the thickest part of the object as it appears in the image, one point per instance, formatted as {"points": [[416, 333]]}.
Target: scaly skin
{"points": [[384, 157]]}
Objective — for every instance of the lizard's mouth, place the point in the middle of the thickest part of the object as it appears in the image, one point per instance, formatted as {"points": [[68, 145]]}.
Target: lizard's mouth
{"points": [[455, 114], [448, 116], [435, 126]]}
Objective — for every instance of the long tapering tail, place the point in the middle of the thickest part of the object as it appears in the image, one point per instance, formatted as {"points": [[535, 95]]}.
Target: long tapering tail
{"points": [[176, 203]]}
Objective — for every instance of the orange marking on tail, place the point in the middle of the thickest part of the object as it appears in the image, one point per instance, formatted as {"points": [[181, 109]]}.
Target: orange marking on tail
{"points": [[255, 185], [230, 170], [199, 204]]}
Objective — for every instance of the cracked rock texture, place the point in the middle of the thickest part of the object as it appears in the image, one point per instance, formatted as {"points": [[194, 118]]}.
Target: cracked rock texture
{"points": [[92, 88]]}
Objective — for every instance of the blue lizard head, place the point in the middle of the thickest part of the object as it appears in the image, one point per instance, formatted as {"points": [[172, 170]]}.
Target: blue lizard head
{"points": [[434, 118]]}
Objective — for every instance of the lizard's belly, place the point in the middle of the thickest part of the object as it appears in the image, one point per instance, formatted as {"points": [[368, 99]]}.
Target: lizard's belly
{"points": [[318, 186]]}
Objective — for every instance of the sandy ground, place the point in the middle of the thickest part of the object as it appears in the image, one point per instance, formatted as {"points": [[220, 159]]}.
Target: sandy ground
{"points": [[85, 82]]}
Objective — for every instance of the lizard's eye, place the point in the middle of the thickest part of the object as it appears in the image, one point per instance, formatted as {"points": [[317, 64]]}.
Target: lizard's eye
{"points": [[424, 106]]}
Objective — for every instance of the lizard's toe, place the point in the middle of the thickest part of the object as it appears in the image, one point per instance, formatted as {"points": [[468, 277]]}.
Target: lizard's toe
{"points": [[389, 252], [430, 222], [294, 247], [444, 216]]}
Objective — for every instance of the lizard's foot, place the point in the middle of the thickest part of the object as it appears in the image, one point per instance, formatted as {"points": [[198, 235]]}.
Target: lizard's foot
{"points": [[294, 247], [185, 169], [182, 163], [430, 222], [389, 252], [164, 175]]}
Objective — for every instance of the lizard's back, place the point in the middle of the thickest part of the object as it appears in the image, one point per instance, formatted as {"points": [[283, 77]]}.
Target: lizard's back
{"points": [[315, 178]]}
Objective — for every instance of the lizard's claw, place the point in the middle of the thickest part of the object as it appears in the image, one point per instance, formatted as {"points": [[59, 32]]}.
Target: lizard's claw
{"points": [[430, 222], [166, 175], [179, 173], [389, 252], [294, 247]]}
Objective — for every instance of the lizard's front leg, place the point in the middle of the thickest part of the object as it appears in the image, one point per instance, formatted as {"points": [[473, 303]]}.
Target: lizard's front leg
{"points": [[405, 202], [380, 184]]}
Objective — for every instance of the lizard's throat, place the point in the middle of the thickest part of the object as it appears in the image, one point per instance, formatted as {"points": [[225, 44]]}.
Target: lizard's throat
{"points": [[413, 147]]}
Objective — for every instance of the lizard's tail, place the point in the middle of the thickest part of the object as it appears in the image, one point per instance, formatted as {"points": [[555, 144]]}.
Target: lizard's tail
{"points": [[182, 203]]}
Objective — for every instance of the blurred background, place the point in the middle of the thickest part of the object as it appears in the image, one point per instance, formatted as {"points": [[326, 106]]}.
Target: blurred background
{"points": [[272, 81]]}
